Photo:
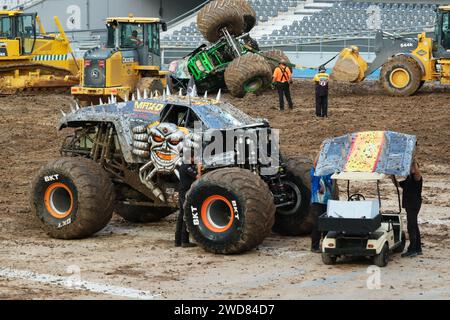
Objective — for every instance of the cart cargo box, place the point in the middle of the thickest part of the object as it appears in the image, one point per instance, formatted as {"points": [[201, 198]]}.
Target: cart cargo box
{"points": [[352, 217]]}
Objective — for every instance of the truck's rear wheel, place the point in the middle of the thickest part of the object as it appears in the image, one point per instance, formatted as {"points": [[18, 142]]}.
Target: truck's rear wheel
{"points": [[296, 219], [142, 214], [220, 14], [150, 84], [249, 16], [229, 211], [277, 56], [249, 73], [401, 76], [72, 198]]}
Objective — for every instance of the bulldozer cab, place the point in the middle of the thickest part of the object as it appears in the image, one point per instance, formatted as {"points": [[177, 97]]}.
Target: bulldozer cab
{"points": [[17, 33], [137, 34], [442, 33]]}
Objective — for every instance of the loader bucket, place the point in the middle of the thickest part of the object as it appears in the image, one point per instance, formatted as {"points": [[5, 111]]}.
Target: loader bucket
{"points": [[350, 66]]}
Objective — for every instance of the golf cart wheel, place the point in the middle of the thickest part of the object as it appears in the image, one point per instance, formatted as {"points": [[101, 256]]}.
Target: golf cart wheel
{"points": [[249, 16], [401, 76], [142, 214], [249, 73], [229, 211], [401, 248], [150, 84], [220, 14], [382, 259], [296, 219], [72, 198], [275, 56], [328, 259]]}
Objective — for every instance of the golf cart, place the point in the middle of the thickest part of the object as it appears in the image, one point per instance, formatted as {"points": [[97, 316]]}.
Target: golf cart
{"points": [[357, 226]]}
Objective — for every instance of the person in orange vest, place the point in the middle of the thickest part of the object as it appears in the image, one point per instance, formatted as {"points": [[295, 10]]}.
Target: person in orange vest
{"points": [[321, 79], [282, 78]]}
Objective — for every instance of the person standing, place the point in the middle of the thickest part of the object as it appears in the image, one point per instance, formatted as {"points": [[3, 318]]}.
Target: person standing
{"points": [[321, 192], [321, 80], [412, 201], [282, 78], [188, 174]]}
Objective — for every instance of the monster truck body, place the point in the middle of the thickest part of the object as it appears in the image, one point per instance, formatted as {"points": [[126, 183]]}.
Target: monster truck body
{"points": [[233, 59], [129, 153]]}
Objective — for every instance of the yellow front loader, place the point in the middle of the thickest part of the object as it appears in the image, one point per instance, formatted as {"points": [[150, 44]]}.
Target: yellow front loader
{"points": [[129, 63], [406, 63], [31, 59]]}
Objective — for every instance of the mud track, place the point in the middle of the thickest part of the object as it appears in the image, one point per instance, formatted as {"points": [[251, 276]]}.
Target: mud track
{"points": [[142, 257]]}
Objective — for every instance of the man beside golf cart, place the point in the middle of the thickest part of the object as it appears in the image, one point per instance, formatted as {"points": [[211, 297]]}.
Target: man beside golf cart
{"points": [[357, 227]]}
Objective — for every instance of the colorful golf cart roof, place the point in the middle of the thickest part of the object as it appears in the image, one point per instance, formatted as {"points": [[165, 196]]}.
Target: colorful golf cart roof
{"points": [[368, 155]]}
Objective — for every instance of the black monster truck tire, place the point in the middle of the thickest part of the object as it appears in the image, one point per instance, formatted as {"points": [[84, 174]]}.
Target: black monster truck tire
{"points": [[220, 14], [151, 85], [297, 219], [142, 214], [277, 55], [72, 198], [229, 211], [249, 16], [401, 76], [249, 73]]}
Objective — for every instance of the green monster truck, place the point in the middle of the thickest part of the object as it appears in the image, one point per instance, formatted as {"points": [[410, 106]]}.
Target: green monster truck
{"points": [[123, 157], [233, 60]]}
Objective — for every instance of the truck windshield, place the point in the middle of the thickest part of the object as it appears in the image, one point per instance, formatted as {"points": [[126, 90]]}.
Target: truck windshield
{"points": [[129, 35], [223, 116], [5, 27], [445, 30]]}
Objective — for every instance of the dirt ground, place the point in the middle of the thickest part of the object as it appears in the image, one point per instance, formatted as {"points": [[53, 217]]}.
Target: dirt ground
{"points": [[128, 260]]}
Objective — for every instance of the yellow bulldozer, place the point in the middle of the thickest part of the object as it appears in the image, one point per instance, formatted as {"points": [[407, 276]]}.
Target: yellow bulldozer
{"points": [[32, 59], [406, 63], [129, 62]]}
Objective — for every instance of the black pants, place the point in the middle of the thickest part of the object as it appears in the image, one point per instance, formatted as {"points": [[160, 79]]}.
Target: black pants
{"points": [[181, 232], [317, 209], [284, 90], [415, 244], [321, 105]]}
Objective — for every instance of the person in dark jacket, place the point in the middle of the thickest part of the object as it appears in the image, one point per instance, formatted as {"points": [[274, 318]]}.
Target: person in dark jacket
{"points": [[321, 80], [188, 174], [412, 201]]}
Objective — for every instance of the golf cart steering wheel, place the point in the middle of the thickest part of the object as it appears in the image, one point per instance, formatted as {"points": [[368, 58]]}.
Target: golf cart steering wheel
{"points": [[356, 197]]}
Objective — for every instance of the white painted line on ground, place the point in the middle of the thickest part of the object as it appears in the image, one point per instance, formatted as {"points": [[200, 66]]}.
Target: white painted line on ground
{"points": [[76, 285]]}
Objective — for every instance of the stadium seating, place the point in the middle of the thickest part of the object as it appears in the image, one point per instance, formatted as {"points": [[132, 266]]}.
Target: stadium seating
{"points": [[294, 21], [10, 4]]}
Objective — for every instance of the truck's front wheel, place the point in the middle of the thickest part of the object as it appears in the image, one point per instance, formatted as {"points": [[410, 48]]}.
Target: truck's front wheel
{"points": [[229, 211], [249, 73], [72, 198]]}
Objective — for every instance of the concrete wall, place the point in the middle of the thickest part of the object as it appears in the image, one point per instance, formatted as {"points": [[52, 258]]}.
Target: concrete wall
{"points": [[78, 15]]}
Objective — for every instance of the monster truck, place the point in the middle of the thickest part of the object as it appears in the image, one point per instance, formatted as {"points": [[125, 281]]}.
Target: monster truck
{"points": [[233, 60], [123, 157]]}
